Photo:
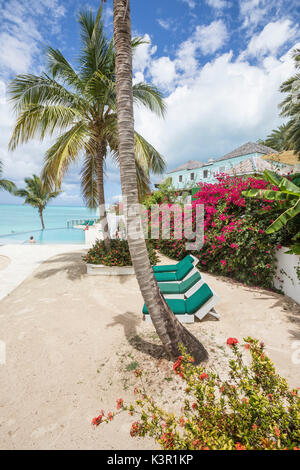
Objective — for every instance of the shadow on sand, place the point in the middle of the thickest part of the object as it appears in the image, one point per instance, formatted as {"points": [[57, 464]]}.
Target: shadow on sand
{"points": [[71, 263], [129, 322]]}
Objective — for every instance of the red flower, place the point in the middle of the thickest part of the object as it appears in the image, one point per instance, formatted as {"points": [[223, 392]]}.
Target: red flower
{"points": [[277, 432], [110, 416], [177, 365], [203, 376], [98, 420], [232, 341], [239, 446], [120, 402], [247, 346], [254, 427]]}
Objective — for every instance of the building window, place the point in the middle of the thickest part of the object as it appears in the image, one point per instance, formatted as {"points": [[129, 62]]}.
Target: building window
{"points": [[205, 173], [192, 176], [180, 178]]}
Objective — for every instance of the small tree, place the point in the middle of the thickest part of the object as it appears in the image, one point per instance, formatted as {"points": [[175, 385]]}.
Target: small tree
{"points": [[36, 195]]}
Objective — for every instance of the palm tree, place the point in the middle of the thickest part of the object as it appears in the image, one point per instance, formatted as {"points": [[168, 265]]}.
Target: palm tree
{"points": [[5, 185], [278, 139], [290, 106], [36, 195], [80, 106], [288, 195], [169, 329]]}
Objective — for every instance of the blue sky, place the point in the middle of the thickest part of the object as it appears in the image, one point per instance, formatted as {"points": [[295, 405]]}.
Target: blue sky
{"points": [[219, 64]]}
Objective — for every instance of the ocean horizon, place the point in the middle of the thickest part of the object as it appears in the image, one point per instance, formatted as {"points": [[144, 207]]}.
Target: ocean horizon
{"points": [[18, 218]]}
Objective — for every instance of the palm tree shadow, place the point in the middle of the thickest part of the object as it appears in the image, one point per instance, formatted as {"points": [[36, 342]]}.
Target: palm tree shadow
{"points": [[73, 265], [129, 322]]}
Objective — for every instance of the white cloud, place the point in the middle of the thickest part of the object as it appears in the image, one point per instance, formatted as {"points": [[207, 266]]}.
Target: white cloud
{"points": [[252, 11], [163, 72], [218, 4], [191, 3], [271, 38], [142, 55], [212, 37], [226, 103], [117, 198], [21, 34], [165, 24], [15, 55], [207, 39]]}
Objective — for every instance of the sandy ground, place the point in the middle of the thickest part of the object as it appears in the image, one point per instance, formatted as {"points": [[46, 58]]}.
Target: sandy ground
{"points": [[71, 341]]}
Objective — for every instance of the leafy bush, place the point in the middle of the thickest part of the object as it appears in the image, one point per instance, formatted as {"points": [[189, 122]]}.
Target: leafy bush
{"points": [[253, 409], [118, 255]]}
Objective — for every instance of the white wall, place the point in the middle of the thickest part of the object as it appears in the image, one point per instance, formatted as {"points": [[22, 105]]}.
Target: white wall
{"points": [[286, 271]]}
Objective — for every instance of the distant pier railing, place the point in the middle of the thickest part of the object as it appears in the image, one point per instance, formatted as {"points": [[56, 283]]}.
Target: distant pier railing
{"points": [[73, 222]]}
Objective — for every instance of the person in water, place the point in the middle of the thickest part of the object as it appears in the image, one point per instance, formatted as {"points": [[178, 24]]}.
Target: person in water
{"points": [[32, 240]]}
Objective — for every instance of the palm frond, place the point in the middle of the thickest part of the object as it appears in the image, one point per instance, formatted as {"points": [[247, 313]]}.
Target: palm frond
{"points": [[30, 89], [39, 120], [89, 181], [143, 182], [65, 151], [147, 156], [59, 67], [150, 97]]}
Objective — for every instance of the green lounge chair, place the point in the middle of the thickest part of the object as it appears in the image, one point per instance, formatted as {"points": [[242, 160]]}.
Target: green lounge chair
{"points": [[180, 290], [199, 304], [184, 271], [174, 267]]}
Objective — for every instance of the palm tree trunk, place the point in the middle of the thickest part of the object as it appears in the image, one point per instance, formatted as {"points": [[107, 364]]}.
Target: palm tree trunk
{"points": [[101, 198], [42, 218], [169, 329]]}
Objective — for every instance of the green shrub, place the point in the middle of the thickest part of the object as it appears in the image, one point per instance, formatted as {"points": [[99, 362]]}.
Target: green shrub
{"points": [[252, 409], [118, 255]]}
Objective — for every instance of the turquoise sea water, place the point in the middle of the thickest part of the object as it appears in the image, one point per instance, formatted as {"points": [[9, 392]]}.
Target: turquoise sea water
{"points": [[19, 221]]}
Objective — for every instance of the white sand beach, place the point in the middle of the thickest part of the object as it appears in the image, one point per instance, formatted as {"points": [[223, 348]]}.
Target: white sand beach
{"points": [[70, 339]]}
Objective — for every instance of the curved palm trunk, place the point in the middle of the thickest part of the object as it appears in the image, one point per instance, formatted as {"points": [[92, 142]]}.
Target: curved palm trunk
{"points": [[169, 329], [101, 198], [42, 218]]}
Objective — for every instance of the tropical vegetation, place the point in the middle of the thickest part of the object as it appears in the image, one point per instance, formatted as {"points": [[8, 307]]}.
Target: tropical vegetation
{"points": [[5, 185], [37, 195], [118, 255], [168, 194], [287, 195], [80, 106], [235, 240], [278, 139], [251, 409], [170, 331], [290, 106]]}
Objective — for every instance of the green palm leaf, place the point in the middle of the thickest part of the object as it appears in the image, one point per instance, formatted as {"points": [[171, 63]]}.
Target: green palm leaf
{"points": [[283, 219]]}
